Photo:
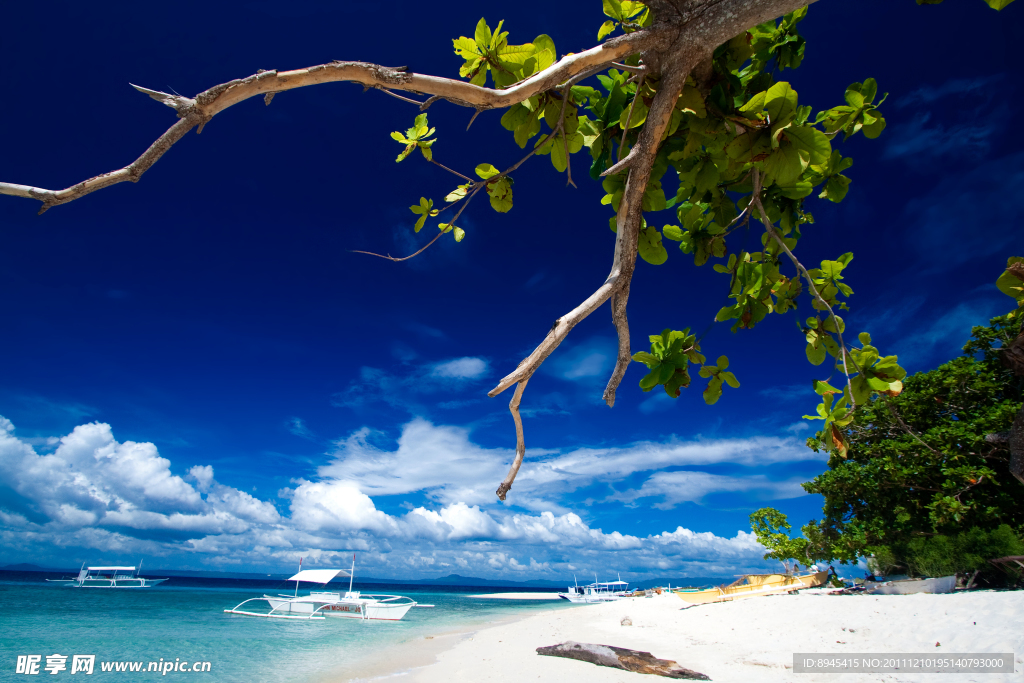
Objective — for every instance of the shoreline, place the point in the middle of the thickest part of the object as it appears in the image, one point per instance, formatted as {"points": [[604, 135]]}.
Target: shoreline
{"points": [[421, 651], [750, 640]]}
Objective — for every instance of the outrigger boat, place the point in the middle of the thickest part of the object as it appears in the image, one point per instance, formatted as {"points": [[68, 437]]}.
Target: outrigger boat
{"points": [[321, 604], [108, 577], [753, 585], [597, 592]]}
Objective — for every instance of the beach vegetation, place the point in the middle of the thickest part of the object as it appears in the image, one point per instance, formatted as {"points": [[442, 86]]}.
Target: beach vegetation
{"points": [[925, 486]]}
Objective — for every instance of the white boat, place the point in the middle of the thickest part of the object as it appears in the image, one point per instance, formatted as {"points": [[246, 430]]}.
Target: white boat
{"points": [[942, 584], [320, 604], [108, 577], [597, 592]]}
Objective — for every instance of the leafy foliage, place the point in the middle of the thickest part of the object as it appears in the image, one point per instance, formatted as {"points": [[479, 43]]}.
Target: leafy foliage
{"points": [[964, 552], [734, 132], [416, 137], [489, 51], [771, 528], [891, 488], [627, 14]]}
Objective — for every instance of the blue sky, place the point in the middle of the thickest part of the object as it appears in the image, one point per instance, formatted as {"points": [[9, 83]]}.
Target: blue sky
{"points": [[198, 370]]}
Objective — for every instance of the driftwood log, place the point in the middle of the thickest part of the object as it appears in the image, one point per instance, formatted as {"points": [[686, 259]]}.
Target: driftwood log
{"points": [[621, 658]]}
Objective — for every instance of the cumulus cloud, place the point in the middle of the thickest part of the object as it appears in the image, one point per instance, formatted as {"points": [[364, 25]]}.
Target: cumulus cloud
{"points": [[123, 498], [443, 462]]}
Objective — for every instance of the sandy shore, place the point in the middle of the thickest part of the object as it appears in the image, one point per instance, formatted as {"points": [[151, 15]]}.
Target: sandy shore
{"points": [[745, 641]]}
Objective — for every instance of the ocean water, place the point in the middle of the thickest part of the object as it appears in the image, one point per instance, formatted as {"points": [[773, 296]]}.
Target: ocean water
{"points": [[183, 619]]}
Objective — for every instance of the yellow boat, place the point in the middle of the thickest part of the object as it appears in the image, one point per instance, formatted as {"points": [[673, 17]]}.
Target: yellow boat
{"points": [[753, 585]]}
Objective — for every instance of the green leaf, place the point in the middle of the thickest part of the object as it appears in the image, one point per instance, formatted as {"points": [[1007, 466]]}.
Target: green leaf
{"points": [[692, 101], [812, 141], [483, 34], [457, 194], [673, 232], [785, 164], [606, 28], [613, 9], [864, 338], [486, 171], [780, 102], [816, 354], [650, 248], [544, 51], [500, 192], [459, 234], [713, 391], [998, 4]]}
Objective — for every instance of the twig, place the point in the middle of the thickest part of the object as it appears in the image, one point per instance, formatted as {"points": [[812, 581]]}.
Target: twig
{"points": [[513, 407], [430, 101], [627, 67], [437, 163], [842, 346], [629, 117], [756, 197], [473, 118], [399, 97], [397, 259]]}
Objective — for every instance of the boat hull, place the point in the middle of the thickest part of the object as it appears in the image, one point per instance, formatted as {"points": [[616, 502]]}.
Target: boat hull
{"points": [[942, 584], [754, 586], [107, 583], [590, 599], [344, 610]]}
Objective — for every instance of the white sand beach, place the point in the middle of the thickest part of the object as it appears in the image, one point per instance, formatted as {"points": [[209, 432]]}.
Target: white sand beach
{"points": [[744, 641]]}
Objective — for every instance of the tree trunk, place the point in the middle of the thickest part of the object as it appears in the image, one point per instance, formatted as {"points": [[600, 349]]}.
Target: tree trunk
{"points": [[1017, 447], [621, 658], [1012, 357]]}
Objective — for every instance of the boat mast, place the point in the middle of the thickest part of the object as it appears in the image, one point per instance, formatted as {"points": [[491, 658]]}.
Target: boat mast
{"points": [[296, 580], [352, 573]]}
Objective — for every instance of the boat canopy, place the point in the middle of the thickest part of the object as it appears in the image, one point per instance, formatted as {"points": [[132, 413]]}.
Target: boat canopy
{"points": [[111, 569], [319, 575]]}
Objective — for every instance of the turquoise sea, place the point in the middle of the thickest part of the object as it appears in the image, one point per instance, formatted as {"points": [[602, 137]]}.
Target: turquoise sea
{"points": [[183, 619]]}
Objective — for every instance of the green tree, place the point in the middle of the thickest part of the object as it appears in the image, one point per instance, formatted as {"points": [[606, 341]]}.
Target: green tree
{"points": [[930, 462], [692, 88]]}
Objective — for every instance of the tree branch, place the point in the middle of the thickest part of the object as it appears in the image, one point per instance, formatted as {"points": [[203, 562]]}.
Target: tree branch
{"points": [[207, 104], [513, 407]]}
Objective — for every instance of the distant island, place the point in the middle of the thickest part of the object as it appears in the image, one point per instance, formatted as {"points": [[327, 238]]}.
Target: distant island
{"points": [[450, 580]]}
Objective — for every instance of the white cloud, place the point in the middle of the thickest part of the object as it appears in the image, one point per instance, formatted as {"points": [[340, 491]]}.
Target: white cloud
{"points": [[122, 498], [443, 462], [461, 368], [674, 488], [590, 360], [403, 389]]}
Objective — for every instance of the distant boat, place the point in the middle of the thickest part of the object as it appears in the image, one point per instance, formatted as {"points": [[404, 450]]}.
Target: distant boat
{"points": [[753, 585], [597, 592], [320, 604], [943, 584], [108, 577]]}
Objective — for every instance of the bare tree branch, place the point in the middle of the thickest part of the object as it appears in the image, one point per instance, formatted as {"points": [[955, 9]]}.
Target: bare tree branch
{"points": [[207, 104], [513, 407]]}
